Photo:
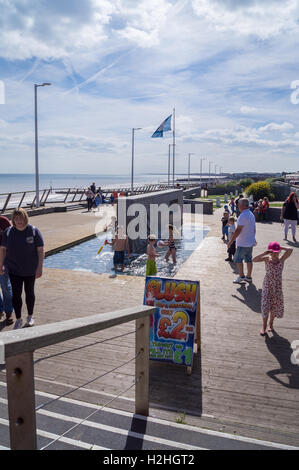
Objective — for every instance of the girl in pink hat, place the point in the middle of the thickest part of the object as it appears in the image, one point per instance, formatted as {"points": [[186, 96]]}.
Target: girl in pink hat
{"points": [[272, 295]]}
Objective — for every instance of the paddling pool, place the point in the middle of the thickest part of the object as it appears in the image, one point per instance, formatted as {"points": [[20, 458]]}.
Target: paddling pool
{"points": [[83, 257]]}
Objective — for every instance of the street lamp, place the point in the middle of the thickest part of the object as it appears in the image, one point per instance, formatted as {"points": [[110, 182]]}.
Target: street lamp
{"points": [[204, 158], [210, 163], [215, 173], [132, 171], [36, 146], [189, 155]]}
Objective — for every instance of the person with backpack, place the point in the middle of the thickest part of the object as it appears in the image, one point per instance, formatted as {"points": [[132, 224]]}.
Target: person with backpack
{"points": [[22, 254]]}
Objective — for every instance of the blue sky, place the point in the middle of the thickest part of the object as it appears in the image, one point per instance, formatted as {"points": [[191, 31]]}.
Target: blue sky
{"points": [[227, 66]]}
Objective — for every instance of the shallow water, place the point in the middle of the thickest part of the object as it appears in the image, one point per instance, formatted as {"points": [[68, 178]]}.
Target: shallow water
{"points": [[84, 257]]}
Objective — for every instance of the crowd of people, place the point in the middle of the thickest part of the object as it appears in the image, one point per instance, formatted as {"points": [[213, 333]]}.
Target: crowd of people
{"points": [[95, 197], [22, 255], [240, 242]]}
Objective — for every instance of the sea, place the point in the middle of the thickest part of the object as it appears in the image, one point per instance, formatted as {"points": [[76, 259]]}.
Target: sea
{"points": [[26, 182]]}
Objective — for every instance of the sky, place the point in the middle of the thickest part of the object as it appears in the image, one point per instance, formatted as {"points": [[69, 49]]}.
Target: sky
{"points": [[228, 67]]}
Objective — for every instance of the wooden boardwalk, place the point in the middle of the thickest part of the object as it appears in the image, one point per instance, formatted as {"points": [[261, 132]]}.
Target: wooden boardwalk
{"points": [[241, 382]]}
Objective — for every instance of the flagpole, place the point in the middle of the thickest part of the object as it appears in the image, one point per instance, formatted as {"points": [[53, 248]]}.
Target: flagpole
{"points": [[169, 145], [173, 149]]}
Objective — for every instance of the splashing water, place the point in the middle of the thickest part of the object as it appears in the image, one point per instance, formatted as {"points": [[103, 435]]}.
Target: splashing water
{"points": [[84, 257]]}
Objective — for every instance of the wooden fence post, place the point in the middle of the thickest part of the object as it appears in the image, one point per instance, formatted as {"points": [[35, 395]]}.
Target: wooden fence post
{"points": [[142, 366], [21, 401]]}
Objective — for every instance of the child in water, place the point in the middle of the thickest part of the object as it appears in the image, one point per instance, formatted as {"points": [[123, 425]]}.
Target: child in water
{"points": [[151, 267], [272, 295], [120, 243], [171, 246]]}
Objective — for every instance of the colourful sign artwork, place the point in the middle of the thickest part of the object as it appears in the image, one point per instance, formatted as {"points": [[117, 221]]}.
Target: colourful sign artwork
{"points": [[173, 326]]}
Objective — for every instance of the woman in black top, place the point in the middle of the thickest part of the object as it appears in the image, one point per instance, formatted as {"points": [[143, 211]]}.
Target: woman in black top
{"points": [[22, 253], [290, 215]]}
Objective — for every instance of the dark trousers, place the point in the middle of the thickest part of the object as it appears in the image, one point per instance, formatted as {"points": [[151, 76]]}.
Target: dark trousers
{"points": [[89, 203], [17, 287], [232, 250]]}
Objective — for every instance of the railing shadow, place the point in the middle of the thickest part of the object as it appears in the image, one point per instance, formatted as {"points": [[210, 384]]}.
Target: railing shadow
{"points": [[139, 426], [186, 395]]}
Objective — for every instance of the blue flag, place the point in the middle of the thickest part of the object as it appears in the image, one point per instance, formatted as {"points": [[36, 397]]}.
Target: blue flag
{"points": [[165, 126]]}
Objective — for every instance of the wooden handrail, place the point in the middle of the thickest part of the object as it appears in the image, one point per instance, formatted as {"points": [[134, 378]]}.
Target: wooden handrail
{"points": [[16, 350], [17, 342]]}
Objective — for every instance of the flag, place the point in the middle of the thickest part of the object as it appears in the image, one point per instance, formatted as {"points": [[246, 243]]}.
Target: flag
{"points": [[165, 126]]}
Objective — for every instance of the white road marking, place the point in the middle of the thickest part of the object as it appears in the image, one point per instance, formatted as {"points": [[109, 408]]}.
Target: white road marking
{"points": [[50, 435], [166, 423], [114, 430]]}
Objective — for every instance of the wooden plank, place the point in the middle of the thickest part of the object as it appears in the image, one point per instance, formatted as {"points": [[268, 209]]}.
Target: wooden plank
{"points": [[21, 402], [142, 366], [17, 342]]}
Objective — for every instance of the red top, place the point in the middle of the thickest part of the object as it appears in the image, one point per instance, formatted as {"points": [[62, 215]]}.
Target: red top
{"points": [[265, 206], [4, 224]]}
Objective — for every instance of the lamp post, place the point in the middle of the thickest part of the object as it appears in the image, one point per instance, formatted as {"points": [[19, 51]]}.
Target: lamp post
{"points": [[210, 163], [36, 146], [215, 172], [204, 158], [189, 155], [132, 171]]}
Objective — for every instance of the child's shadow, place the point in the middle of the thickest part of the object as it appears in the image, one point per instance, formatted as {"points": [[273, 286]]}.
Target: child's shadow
{"points": [[281, 348], [234, 267], [251, 296]]}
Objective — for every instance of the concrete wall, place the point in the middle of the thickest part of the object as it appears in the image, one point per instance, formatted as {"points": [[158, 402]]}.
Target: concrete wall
{"points": [[228, 190], [193, 192], [169, 197], [207, 206]]}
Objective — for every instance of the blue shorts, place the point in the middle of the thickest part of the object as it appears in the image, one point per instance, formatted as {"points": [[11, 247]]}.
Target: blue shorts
{"points": [[225, 230], [243, 253], [119, 257]]}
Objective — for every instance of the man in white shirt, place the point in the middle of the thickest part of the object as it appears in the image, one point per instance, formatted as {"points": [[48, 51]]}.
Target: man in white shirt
{"points": [[245, 241]]}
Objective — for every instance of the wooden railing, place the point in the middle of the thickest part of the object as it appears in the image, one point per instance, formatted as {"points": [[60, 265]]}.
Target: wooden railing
{"points": [[17, 348]]}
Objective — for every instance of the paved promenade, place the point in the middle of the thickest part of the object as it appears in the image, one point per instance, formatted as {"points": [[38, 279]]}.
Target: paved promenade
{"points": [[241, 382]]}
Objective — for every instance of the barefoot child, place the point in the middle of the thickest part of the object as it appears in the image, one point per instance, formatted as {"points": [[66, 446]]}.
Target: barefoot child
{"points": [[151, 267], [272, 295], [171, 246], [120, 243]]}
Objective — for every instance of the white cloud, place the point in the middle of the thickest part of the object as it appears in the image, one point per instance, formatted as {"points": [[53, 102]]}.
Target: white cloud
{"points": [[262, 19], [51, 29], [273, 126], [247, 109]]}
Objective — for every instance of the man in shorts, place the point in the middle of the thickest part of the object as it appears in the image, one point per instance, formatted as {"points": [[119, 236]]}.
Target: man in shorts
{"points": [[245, 241]]}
